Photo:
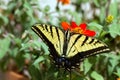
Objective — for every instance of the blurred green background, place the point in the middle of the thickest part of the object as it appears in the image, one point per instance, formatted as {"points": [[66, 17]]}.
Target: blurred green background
{"points": [[23, 54]]}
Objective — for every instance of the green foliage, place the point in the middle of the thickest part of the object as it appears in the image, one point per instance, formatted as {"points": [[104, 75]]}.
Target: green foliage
{"points": [[114, 29], [19, 44], [96, 76], [113, 8], [87, 66], [4, 47]]}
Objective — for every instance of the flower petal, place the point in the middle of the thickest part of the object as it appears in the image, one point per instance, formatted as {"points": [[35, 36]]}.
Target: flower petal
{"points": [[65, 25], [81, 29], [73, 25], [64, 2], [83, 26], [89, 33]]}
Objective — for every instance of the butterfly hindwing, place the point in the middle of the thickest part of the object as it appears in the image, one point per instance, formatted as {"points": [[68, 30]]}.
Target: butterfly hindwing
{"points": [[84, 46]]}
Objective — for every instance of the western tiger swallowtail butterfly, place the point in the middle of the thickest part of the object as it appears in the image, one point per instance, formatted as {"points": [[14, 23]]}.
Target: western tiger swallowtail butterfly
{"points": [[68, 49]]}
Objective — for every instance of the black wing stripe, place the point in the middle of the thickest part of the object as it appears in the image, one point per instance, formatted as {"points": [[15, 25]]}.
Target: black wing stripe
{"points": [[66, 40], [46, 27], [58, 35], [91, 41], [75, 41], [87, 53], [81, 55], [86, 38], [42, 26], [66, 34], [51, 31], [97, 42]]}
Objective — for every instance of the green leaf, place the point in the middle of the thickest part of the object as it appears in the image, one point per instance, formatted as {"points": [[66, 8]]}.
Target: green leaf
{"points": [[18, 41], [12, 5], [87, 66], [96, 2], [114, 8], [19, 59], [3, 19], [29, 12], [27, 45], [17, 12], [113, 62], [117, 72], [14, 52], [38, 60], [4, 46], [35, 73], [95, 26], [38, 45], [27, 56], [102, 14], [114, 29], [45, 48], [96, 76]]}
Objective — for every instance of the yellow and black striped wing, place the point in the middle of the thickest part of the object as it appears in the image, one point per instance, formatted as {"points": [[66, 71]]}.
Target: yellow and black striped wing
{"points": [[81, 46], [52, 36], [84, 46]]}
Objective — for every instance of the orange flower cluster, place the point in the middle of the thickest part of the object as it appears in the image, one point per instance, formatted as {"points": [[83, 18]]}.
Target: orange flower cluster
{"points": [[81, 29], [64, 2]]}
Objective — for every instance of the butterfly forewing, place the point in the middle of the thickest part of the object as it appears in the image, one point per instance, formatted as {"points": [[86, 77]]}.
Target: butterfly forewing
{"points": [[52, 36]]}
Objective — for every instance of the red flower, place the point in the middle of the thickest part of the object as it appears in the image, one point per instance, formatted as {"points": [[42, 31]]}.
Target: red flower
{"points": [[73, 27]]}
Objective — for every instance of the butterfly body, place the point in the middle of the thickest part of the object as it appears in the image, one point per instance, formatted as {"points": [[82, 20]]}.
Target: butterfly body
{"points": [[68, 49]]}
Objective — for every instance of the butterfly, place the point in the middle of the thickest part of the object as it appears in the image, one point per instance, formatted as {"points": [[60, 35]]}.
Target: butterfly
{"points": [[68, 49]]}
